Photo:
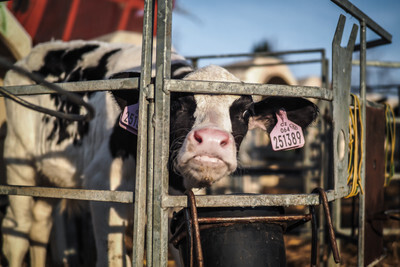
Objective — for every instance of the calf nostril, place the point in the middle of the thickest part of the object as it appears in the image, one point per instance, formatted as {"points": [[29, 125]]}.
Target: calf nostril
{"points": [[223, 143], [197, 137]]}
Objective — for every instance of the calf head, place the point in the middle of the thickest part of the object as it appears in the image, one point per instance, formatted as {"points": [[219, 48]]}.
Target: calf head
{"points": [[206, 130]]}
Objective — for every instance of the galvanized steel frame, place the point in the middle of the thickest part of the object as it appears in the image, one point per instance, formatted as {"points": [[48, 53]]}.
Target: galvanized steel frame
{"points": [[163, 87], [152, 172]]}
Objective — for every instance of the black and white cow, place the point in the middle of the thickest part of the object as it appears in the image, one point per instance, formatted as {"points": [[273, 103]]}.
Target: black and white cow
{"points": [[206, 132]]}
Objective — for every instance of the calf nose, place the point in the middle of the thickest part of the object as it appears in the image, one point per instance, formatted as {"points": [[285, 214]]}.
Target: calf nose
{"points": [[210, 136]]}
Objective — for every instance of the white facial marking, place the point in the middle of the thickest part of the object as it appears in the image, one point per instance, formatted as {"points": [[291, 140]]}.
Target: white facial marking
{"points": [[213, 110]]}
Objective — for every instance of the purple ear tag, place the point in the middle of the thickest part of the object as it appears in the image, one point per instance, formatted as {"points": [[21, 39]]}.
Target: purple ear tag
{"points": [[286, 134], [129, 118]]}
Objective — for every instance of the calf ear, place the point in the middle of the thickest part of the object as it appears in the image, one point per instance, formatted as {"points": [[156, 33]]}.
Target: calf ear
{"points": [[299, 110], [125, 97]]}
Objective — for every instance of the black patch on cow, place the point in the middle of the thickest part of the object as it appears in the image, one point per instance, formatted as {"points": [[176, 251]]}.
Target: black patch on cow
{"points": [[122, 142], [59, 131], [175, 70], [183, 106], [58, 62], [299, 110], [99, 71], [176, 181], [61, 61], [239, 112], [125, 97]]}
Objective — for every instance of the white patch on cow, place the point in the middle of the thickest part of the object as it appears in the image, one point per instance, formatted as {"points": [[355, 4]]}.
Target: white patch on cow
{"points": [[213, 110]]}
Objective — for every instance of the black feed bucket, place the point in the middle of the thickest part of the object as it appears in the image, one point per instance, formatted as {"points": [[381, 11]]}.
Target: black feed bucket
{"points": [[235, 244]]}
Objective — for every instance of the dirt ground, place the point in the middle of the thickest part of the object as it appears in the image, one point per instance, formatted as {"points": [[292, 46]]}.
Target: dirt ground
{"points": [[298, 252]]}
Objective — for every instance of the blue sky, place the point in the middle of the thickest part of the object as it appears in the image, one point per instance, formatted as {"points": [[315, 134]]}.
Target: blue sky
{"points": [[222, 26]]}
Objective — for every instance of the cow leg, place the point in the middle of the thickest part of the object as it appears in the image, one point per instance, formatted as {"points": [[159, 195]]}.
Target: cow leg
{"points": [[18, 219], [40, 231], [109, 227], [15, 229], [110, 219]]}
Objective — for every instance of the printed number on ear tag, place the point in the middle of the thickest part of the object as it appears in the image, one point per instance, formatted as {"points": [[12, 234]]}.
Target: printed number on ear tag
{"points": [[129, 118], [286, 134]]}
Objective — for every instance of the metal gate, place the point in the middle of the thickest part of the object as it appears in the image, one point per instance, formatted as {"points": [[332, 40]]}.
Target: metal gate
{"points": [[151, 189]]}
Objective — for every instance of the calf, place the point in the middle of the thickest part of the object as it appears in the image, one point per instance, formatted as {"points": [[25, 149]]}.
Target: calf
{"points": [[206, 132]]}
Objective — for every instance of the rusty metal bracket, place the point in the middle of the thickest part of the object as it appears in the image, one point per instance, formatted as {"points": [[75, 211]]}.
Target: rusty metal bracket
{"points": [[332, 237], [195, 227]]}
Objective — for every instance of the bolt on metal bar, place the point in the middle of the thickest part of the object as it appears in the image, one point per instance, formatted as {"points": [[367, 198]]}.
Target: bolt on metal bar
{"points": [[68, 193], [386, 38], [247, 89], [85, 86]]}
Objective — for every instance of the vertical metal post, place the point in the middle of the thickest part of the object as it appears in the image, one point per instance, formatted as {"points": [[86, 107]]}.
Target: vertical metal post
{"points": [[141, 164], [150, 182], [161, 142], [341, 80], [147, 53], [361, 209]]}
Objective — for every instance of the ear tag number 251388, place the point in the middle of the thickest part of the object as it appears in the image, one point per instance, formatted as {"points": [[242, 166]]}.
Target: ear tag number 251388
{"points": [[129, 118], [286, 134]]}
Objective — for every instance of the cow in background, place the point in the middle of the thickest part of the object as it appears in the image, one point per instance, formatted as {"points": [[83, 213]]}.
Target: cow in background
{"points": [[206, 132]]}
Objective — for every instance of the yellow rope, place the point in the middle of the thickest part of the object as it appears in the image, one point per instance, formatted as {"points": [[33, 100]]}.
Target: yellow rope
{"points": [[356, 151], [390, 143]]}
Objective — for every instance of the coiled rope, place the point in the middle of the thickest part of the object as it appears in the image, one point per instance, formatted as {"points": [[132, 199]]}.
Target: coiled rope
{"points": [[355, 149], [390, 143]]}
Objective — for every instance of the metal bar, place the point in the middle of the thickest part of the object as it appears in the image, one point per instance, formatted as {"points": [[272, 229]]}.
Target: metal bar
{"points": [[142, 158], [286, 200], [195, 224], [189, 233], [254, 219], [381, 64], [161, 141], [247, 89], [328, 220], [275, 64], [386, 37], [361, 208], [150, 183], [85, 86], [68, 193], [260, 54], [314, 237]]}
